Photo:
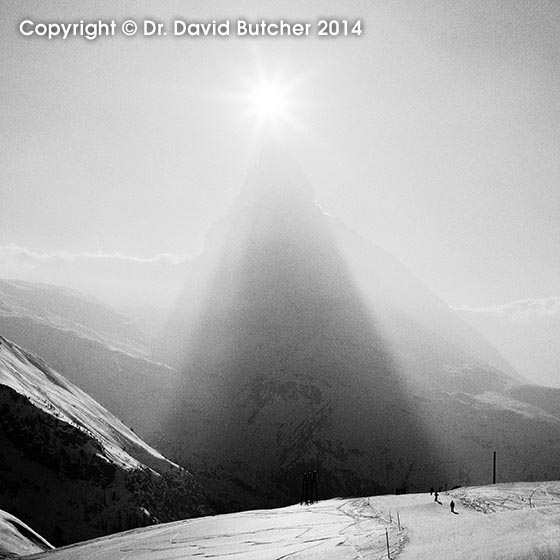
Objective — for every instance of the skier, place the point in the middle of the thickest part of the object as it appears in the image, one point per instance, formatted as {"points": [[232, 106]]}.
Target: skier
{"points": [[452, 506]]}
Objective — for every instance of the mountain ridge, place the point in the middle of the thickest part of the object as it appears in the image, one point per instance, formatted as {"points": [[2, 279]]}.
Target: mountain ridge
{"points": [[70, 469]]}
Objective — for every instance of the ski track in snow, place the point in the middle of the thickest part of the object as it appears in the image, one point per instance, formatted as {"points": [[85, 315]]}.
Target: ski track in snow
{"points": [[492, 522], [345, 529]]}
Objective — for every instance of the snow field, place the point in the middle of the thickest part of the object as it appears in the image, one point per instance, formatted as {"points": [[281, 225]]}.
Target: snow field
{"points": [[519, 521]]}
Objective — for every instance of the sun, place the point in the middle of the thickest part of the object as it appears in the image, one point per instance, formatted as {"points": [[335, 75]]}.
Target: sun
{"points": [[269, 102]]}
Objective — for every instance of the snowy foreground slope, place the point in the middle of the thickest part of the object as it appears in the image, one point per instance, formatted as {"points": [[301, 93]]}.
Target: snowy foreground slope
{"points": [[18, 538], [504, 521]]}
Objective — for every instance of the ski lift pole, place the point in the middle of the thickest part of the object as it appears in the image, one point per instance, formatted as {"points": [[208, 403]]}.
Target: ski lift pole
{"points": [[387, 537]]}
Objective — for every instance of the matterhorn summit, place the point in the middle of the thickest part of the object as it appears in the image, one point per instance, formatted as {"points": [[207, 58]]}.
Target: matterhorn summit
{"points": [[303, 347]]}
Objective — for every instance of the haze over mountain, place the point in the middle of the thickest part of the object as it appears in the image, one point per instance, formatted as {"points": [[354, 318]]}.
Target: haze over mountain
{"points": [[526, 333], [99, 350], [70, 469], [69, 310], [298, 345], [144, 289], [303, 346]]}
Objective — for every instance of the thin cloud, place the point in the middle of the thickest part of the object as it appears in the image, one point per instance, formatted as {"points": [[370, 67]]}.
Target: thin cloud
{"points": [[119, 280], [10, 252], [520, 311]]}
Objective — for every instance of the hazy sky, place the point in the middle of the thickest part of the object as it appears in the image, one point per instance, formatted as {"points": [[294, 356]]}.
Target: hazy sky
{"points": [[436, 134]]}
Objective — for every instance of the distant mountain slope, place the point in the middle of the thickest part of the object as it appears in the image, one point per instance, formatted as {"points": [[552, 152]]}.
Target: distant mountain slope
{"points": [[99, 350], [384, 281], [18, 539], [546, 398], [140, 288], [525, 332], [71, 310], [69, 468]]}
